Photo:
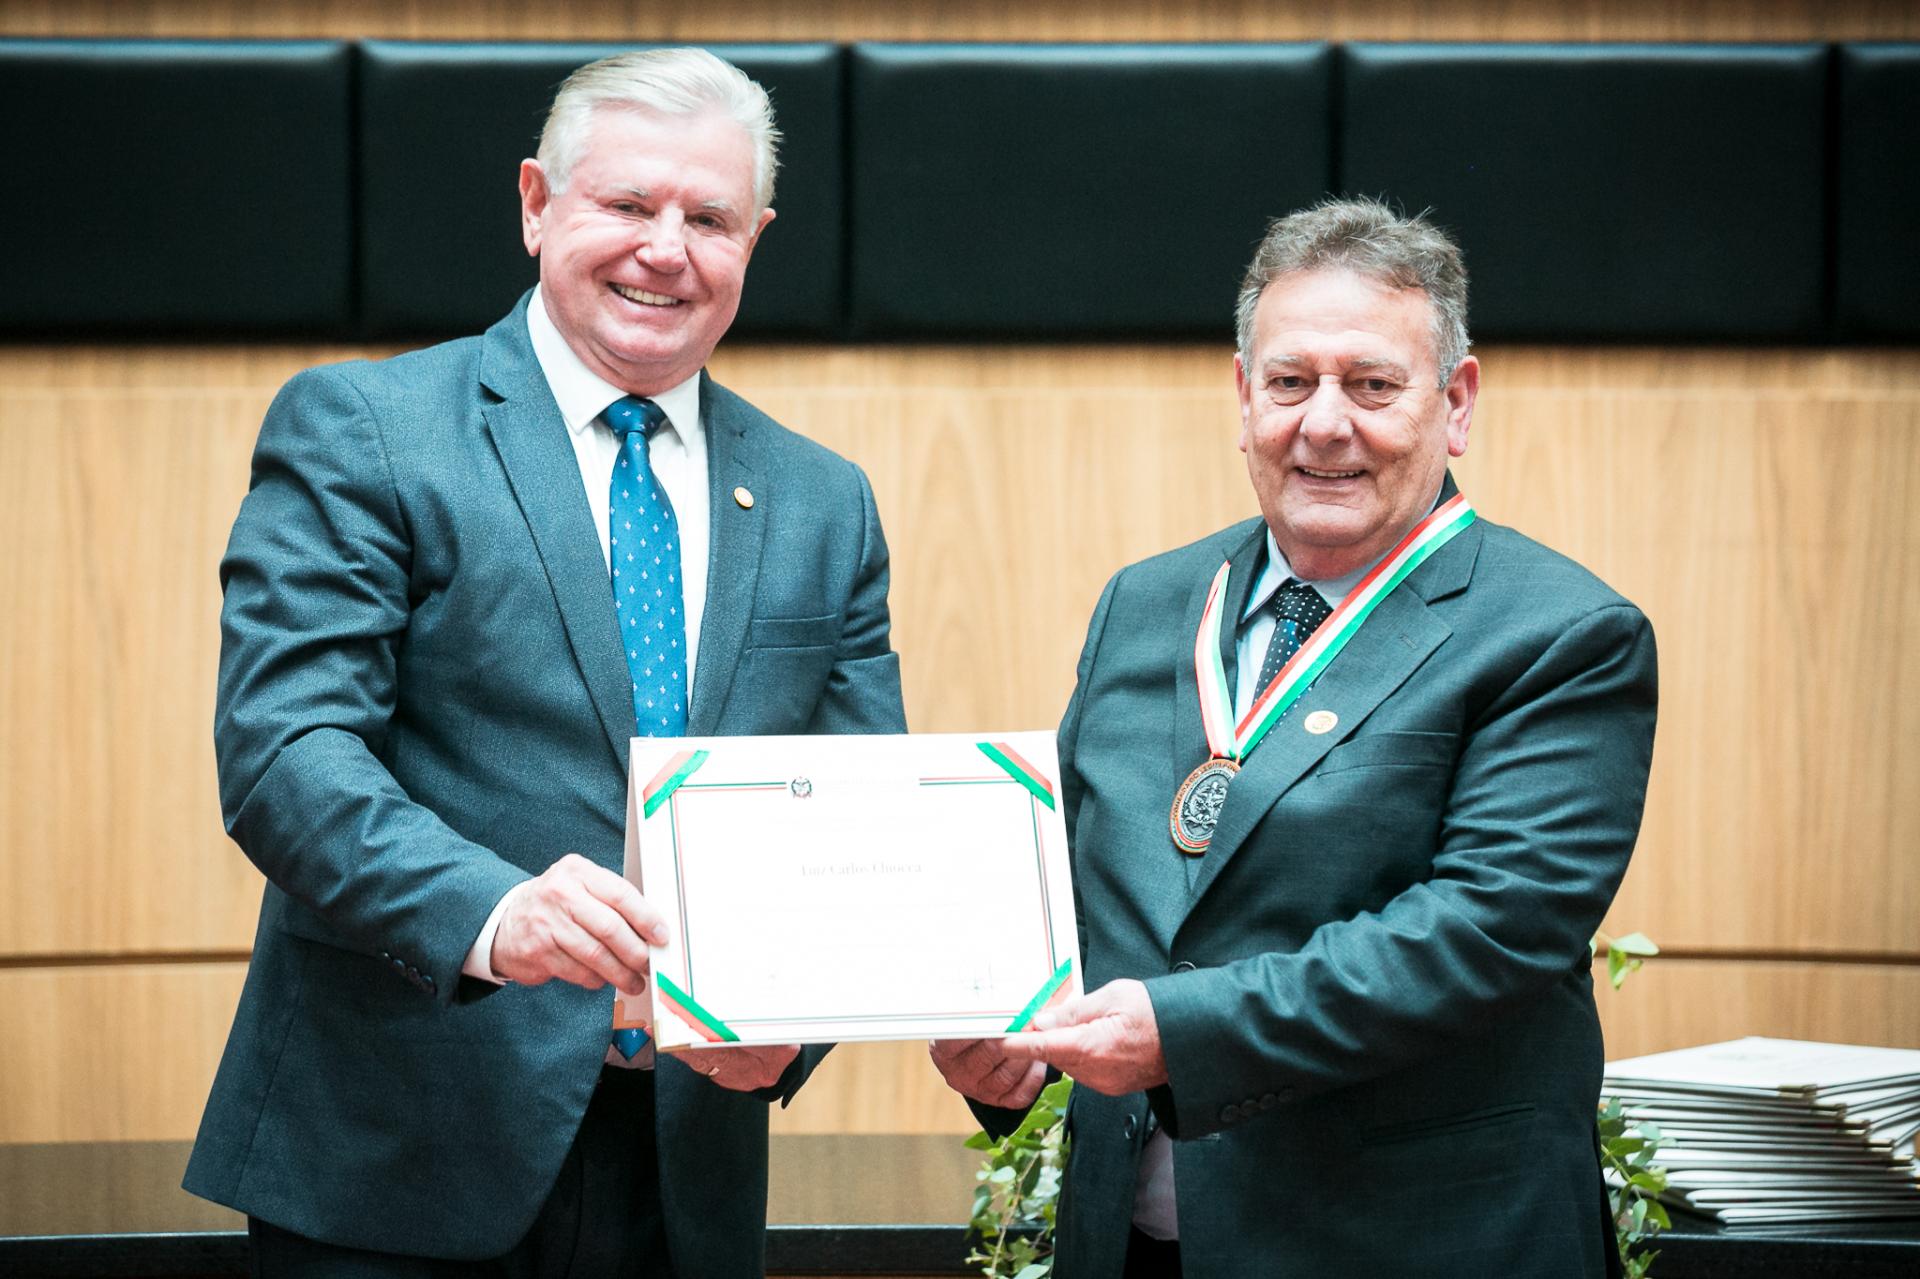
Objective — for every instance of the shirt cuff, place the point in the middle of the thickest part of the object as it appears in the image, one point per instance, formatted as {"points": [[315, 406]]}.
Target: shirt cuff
{"points": [[479, 961]]}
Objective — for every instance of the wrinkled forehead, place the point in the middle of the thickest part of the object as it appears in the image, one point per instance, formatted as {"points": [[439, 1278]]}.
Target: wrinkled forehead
{"points": [[626, 132], [1335, 312]]}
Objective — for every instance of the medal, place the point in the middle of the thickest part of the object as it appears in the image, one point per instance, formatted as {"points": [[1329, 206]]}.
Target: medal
{"points": [[1197, 804]]}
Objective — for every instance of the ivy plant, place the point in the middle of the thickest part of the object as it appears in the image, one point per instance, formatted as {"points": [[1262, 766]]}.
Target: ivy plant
{"points": [[1019, 1187], [1627, 1149]]}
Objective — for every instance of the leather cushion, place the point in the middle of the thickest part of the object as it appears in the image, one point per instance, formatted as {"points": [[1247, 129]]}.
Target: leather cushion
{"points": [[1877, 175], [1074, 190], [173, 187], [1628, 192]]}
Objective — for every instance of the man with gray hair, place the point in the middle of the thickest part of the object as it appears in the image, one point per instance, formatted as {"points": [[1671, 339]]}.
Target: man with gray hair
{"points": [[462, 580], [1349, 786]]}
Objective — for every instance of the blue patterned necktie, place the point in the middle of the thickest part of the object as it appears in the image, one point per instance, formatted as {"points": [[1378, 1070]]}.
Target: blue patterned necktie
{"points": [[643, 543], [1298, 610]]}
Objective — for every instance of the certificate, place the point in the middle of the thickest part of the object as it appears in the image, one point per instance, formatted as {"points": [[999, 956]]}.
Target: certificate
{"points": [[858, 887]]}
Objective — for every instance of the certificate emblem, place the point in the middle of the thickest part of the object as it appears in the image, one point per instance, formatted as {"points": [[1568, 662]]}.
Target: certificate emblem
{"points": [[1197, 804], [800, 787]]}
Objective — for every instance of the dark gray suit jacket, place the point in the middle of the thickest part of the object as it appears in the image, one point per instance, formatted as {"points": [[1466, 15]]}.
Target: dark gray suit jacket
{"points": [[423, 700], [1373, 989]]}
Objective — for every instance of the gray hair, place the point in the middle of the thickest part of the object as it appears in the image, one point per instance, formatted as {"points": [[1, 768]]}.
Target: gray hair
{"points": [[1371, 240], [670, 81]]}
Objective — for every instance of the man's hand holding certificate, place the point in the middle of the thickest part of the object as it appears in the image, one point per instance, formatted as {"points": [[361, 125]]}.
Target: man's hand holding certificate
{"points": [[861, 887]]}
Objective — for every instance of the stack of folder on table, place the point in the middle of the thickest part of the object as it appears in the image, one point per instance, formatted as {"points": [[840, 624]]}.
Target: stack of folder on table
{"points": [[1770, 1132]]}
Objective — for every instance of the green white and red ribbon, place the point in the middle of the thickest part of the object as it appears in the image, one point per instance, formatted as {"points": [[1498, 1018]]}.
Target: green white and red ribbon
{"points": [[1228, 740], [1016, 766], [691, 1014], [668, 780], [1057, 990]]}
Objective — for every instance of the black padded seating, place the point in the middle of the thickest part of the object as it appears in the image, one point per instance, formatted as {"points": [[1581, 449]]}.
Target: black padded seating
{"points": [[1623, 192], [175, 188], [1877, 173], [1059, 191], [443, 128]]}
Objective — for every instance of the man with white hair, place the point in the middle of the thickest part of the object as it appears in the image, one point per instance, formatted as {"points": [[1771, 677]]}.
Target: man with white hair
{"points": [[461, 581]]}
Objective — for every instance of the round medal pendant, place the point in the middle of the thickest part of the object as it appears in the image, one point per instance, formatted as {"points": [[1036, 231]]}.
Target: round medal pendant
{"points": [[1196, 805]]}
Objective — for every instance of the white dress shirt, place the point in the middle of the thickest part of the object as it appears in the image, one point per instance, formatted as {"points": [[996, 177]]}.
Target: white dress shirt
{"points": [[678, 455]]}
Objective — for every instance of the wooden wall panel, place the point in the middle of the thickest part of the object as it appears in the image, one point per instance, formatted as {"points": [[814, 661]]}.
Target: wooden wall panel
{"points": [[1762, 509], [1761, 506], [1765, 518], [111, 1052], [1675, 1003], [876, 1088], [971, 20], [114, 506], [128, 1051]]}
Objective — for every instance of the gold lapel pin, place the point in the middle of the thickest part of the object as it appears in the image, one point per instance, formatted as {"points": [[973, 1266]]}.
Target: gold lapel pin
{"points": [[744, 498], [1321, 722]]}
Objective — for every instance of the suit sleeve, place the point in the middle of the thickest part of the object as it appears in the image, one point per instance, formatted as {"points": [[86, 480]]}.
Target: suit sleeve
{"points": [[316, 602], [1538, 825]]}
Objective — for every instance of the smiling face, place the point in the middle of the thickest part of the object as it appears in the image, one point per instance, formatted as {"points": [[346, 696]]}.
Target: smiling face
{"points": [[642, 256], [1346, 433]]}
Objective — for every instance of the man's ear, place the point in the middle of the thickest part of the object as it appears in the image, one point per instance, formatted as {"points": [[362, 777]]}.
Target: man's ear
{"points": [[1245, 393], [1463, 389], [753, 237], [534, 198]]}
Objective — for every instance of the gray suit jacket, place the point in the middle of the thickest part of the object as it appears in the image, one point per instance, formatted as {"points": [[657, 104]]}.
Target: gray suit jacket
{"points": [[423, 700], [1372, 990]]}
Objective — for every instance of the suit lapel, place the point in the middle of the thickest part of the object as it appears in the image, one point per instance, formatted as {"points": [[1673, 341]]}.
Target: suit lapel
{"points": [[1189, 733], [1396, 639], [544, 473], [733, 568]]}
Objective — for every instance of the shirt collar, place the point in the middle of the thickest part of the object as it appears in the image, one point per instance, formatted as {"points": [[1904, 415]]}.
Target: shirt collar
{"points": [[1278, 572], [584, 395]]}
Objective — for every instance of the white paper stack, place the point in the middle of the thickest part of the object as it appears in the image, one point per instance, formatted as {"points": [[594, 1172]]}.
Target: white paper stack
{"points": [[1767, 1132]]}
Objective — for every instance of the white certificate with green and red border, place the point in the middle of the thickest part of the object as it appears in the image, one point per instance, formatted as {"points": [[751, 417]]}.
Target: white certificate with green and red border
{"points": [[838, 888]]}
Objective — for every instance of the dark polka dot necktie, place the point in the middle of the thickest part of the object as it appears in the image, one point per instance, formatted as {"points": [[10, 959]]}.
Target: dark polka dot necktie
{"points": [[1298, 611], [643, 545]]}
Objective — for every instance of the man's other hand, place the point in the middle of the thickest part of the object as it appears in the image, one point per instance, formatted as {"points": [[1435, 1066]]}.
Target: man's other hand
{"points": [[1108, 1040], [581, 923], [981, 1069], [745, 1068]]}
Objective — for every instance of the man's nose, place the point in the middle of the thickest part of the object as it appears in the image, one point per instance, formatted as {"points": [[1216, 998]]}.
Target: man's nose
{"points": [[1325, 418], [663, 243]]}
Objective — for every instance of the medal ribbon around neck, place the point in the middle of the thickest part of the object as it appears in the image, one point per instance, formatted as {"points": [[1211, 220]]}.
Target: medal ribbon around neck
{"points": [[1225, 739]]}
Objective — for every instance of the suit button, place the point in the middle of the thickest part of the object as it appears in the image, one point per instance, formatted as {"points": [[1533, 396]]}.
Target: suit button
{"points": [[427, 982], [1230, 1114], [1185, 966], [1268, 1101], [1128, 1128]]}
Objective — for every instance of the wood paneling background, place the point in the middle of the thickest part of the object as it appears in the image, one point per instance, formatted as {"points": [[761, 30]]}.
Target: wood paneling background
{"points": [[971, 19], [1760, 505]]}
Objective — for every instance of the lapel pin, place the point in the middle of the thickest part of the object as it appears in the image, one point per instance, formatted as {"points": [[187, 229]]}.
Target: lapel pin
{"points": [[1321, 722], [744, 498]]}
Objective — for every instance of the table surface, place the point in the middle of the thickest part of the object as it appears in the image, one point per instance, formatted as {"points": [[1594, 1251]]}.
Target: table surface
{"points": [[892, 1204]]}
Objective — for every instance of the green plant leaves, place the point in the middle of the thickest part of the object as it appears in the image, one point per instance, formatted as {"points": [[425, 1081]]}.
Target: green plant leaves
{"points": [[1018, 1189]]}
